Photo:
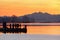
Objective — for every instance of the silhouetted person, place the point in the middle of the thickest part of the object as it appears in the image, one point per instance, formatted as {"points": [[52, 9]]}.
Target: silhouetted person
{"points": [[10, 26], [25, 28], [4, 27], [20, 28], [16, 25], [13, 28]]}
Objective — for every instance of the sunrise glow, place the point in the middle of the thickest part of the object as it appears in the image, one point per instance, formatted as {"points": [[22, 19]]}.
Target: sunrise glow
{"points": [[23, 7]]}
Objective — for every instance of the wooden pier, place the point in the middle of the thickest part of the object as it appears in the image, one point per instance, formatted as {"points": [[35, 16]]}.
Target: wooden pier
{"points": [[13, 28]]}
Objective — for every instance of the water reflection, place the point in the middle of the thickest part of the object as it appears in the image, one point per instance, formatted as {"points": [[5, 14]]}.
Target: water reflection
{"points": [[43, 30]]}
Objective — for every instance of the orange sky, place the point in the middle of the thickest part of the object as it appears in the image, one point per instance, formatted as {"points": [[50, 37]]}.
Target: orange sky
{"points": [[23, 7]]}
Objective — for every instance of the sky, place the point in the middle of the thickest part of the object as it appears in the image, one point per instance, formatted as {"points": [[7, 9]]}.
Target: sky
{"points": [[23, 7]]}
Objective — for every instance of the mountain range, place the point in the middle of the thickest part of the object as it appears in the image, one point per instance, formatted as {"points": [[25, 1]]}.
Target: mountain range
{"points": [[36, 17]]}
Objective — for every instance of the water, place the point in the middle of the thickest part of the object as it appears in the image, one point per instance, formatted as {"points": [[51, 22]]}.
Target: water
{"points": [[35, 33], [29, 37], [53, 30]]}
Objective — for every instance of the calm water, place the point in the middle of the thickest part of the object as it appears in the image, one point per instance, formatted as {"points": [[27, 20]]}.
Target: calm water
{"points": [[43, 30]]}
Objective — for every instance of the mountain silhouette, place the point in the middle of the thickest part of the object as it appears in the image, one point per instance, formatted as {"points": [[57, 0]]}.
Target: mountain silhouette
{"points": [[36, 17], [43, 17]]}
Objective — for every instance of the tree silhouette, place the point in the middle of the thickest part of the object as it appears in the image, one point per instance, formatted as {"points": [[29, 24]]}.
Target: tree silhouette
{"points": [[13, 18]]}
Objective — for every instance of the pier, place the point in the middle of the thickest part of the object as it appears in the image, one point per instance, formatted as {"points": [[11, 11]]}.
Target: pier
{"points": [[13, 28]]}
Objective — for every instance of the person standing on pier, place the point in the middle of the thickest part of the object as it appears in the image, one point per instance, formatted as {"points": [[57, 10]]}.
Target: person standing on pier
{"points": [[4, 27]]}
